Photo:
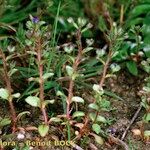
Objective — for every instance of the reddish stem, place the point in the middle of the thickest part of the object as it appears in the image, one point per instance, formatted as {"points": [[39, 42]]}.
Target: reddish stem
{"points": [[9, 88], [75, 66], [105, 69], [41, 82]]}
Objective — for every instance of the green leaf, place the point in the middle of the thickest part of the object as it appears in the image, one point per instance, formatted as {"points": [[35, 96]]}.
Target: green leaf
{"points": [[55, 119], [98, 89], [147, 133], [96, 128], [98, 139], [16, 95], [132, 67], [47, 75], [69, 70], [101, 119], [43, 129], [93, 106], [109, 93], [98, 119], [46, 102], [77, 99], [33, 101], [4, 94], [102, 24], [147, 117], [92, 116], [22, 114], [146, 89], [140, 9], [78, 114], [5, 122]]}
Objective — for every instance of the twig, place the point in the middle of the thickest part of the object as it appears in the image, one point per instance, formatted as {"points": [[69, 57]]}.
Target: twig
{"points": [[119, 142], [76, 146], [131, 122]]}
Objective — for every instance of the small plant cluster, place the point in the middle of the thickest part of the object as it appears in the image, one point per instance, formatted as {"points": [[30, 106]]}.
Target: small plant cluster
{"points": [[48, 77], [146, 105], [36, 44]]}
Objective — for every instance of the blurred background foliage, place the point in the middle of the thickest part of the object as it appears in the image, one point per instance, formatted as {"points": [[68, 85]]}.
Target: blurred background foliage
{"points": [[133, 16]]}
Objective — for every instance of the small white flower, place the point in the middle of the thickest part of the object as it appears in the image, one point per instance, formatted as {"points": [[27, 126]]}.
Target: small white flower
{"points": [[140, 53], [70, 20], [11, 48], [148, 60], [100, 53], [120, 31], [89, 42], [89, 25], [115, 67], [69, 48], [82, 22], [114, 24], [146, 48], [144, 63], [133, 45], [20, 136]]}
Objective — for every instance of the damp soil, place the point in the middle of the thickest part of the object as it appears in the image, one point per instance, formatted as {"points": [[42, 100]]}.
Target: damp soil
{"points": [[126, 86]]}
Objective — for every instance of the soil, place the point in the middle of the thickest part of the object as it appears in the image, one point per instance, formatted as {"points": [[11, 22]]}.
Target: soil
{"points": [[125, 86]]}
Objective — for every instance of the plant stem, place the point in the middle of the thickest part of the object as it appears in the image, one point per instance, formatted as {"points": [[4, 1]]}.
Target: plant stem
{"points": [[103, 77], [75, 66], [41, 80], [9, 88], [121, 14], [105, 69]]}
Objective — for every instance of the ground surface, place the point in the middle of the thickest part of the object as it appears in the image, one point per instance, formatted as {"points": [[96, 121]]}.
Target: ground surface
{"points": [[125, 86]]}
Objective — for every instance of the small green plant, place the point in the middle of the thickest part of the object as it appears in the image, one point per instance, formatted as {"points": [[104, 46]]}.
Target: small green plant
{"points": [[37, 32], [61, 69], [146, 104]]}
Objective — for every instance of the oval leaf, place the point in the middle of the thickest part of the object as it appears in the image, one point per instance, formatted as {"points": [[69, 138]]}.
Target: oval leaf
{"points": [[33, 101], [93, 106], [55, 119], [92, 116], [147, 117], [77, 99], [101, 119], [147, 133], [96, 128], [132, 67], [78, 114], [98, 139], [47, 75], [16, 95], [69, 70], [46, 102], [5, 122], [43, 129], [4, 94]]}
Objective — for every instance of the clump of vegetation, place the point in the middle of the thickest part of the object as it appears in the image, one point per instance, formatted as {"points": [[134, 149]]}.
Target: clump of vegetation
{"points": [[60, 69]]}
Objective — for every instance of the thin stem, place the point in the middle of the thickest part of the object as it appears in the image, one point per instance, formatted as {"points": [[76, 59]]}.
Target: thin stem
{"points": [[105, 68], [41, 80], [121, 14], [75, 66], [9, 88]]}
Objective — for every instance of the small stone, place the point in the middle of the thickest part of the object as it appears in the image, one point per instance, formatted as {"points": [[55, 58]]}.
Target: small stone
{"points": [[136, 132]]}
